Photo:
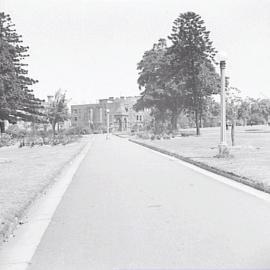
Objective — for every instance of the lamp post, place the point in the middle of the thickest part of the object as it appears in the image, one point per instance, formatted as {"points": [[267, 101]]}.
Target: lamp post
{"points": [[108, 123], [223, 147]]}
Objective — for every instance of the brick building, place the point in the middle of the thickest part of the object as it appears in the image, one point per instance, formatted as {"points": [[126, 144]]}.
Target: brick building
{"points": [[122, 116]]}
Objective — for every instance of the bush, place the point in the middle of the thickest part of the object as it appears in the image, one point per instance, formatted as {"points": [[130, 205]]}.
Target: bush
{"points": [[144, 136], [166, 137], [64, 139], [187, 133], [15, 132], [76, 131], [6, 140]]}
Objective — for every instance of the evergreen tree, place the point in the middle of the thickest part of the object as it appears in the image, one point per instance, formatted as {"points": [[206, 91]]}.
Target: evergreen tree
{"points": [[17, 101], [180, 77], [193, 57]]}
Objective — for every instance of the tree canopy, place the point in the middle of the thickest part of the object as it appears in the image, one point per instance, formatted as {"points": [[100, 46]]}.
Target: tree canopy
{"points": [[57, 109], [181, 76]]}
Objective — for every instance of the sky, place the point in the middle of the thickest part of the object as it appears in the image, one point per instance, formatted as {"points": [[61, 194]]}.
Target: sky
{"points": [[91, 48]]}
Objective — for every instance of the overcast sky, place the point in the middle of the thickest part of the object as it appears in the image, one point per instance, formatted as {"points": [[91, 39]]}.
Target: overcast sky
{"points": [[91, 47]]}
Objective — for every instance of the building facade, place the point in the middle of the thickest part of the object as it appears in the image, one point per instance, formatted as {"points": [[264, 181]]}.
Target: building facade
{"points": [[122, 116]]}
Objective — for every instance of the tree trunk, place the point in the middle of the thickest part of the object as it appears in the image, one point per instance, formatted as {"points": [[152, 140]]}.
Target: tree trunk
{"points": [[174, 119], [233, 132], [2, 127], [201, 120], [34, 128], [198, 132], [53, 128]]}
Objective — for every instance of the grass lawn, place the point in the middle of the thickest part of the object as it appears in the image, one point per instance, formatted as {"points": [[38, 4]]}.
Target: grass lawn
{"points": [[251, 155], [26, 172]]}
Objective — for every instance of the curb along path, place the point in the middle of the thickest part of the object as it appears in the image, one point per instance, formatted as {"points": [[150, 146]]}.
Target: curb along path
{"points": [[241, 179], [17, 253]]}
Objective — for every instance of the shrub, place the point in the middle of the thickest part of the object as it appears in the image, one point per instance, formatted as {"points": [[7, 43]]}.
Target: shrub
{"points": [[143, 135], [166, 137], [15, 132], [77, 131], [6, 140], [64, 139]]}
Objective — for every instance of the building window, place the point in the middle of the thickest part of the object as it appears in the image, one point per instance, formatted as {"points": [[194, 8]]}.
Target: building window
{"points": [[137, 117], [141, 118], [75, 111], [75, 119]]}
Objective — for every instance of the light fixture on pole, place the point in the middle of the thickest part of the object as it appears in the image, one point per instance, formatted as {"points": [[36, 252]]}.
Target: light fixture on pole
{"points": [[108, 123], [223, 147]]}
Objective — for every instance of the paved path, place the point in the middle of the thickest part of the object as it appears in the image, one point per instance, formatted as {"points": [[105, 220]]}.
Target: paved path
{"points": [[130, 208]]}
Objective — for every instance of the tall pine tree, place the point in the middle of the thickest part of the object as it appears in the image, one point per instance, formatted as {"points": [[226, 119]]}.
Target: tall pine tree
{"points": [[193, 56], [17, 101]]}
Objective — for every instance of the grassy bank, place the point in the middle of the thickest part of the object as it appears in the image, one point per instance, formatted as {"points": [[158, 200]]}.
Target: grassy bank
{"points": [[251, 155], [25, 173]]}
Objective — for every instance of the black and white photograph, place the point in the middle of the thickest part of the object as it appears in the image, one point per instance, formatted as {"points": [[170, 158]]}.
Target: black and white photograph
{"points": [[134, 135]]}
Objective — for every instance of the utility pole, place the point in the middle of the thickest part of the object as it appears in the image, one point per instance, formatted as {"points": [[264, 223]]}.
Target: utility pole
{"points": [[108, 123]]}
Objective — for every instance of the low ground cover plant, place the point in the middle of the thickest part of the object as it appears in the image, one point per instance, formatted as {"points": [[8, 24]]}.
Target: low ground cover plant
{"points": [[23, 137]]}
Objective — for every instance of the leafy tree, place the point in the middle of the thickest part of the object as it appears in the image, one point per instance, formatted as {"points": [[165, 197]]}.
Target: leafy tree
{"points": [[233, 103], [160, 91], [180, 77], [244, 110], [210, 115], [57, 109], [264, 106], [17, 101], [253, 112]]}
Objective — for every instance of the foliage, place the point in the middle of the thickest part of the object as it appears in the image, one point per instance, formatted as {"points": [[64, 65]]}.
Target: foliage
{"points": [[17, 101], [193, 56], [233, 103], [160, 92], [244, 110], [6, 140], [264, 107], [57, 110], [76, 131], [15, 132], [179, 77]]}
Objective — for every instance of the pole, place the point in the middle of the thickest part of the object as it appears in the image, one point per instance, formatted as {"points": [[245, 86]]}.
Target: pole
{"points": [[108, 123], [223, 149]]}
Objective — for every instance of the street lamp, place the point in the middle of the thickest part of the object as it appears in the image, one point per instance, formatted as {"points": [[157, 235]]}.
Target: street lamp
{"points": [[108, 123], [223, 147]]}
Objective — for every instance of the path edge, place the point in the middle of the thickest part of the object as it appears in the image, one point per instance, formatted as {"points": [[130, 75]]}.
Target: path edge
{"points": [[232, 176], [19, 219]]}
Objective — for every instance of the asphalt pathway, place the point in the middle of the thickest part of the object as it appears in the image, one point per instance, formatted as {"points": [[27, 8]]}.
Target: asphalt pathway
{"points": [[130, 208]]}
